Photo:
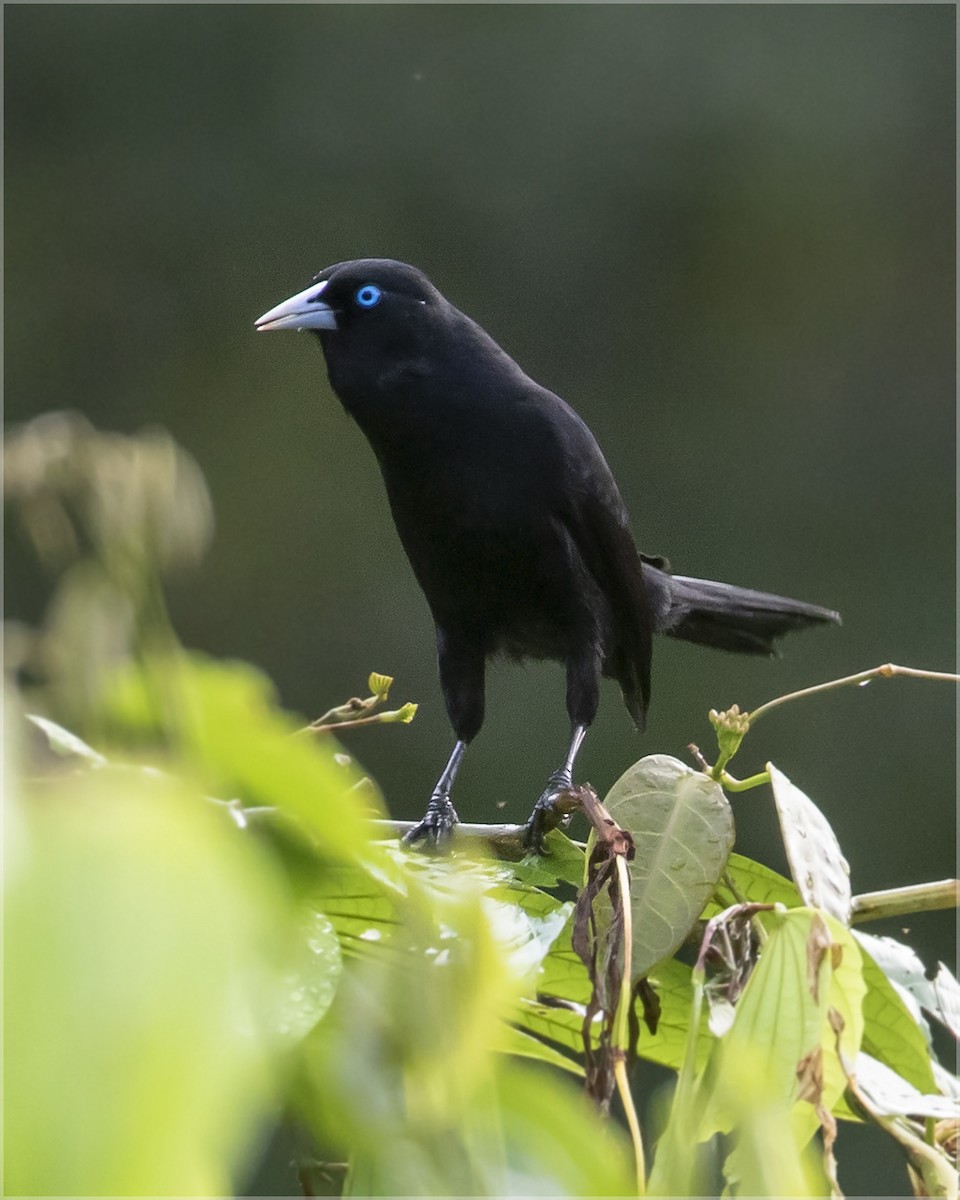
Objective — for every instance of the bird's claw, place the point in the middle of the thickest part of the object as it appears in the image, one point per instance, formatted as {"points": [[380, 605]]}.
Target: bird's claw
{"points": [[436, 828], [545, 815]]}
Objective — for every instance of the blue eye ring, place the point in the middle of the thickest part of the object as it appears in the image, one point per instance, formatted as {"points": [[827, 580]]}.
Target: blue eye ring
{"points": [[369, 295]]}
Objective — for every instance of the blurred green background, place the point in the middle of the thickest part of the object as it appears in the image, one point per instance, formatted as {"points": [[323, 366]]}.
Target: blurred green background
{"points": [[724, 234]]}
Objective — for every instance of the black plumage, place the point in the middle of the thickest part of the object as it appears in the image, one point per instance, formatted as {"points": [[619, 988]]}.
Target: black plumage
{"points": [[508, 512]]}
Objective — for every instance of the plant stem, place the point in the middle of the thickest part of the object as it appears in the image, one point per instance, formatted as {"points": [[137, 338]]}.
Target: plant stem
{"points": [[743, 785], [623, 1087], [898, 902], [886, 671], [622, 1033], [626, 984]]}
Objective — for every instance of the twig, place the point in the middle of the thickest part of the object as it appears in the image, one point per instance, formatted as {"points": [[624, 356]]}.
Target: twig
{"points": [[359, 712], [402, 716], [343, 712], [698, 757], [886, 671]]}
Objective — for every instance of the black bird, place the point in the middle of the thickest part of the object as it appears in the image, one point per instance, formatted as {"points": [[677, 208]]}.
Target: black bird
{"points": [[508, 512]]}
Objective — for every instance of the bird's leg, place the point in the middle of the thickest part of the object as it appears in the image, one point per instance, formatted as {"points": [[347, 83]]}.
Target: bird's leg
{"points": [[461, 662], [560, 781], [441, 816]]}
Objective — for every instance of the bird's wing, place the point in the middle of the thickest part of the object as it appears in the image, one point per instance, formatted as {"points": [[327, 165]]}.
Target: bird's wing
{"points": [[589, 504], [608, 550]]}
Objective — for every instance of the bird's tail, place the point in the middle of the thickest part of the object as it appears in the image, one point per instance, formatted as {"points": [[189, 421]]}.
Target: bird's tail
{"points": [[728, 617]]}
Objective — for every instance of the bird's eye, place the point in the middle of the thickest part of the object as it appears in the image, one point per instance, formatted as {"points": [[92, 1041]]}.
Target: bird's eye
{"points": [[369, 295]]}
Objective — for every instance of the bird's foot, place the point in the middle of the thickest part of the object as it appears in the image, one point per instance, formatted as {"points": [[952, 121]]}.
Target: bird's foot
{"points": [[435, 830], [548, 813]]}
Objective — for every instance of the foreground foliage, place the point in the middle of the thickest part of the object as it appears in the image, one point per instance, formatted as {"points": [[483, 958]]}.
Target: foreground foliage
{"points": [[212, 929]]}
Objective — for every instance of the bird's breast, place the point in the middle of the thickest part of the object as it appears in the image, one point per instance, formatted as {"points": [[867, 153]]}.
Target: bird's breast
{"points": [[489, 557]]}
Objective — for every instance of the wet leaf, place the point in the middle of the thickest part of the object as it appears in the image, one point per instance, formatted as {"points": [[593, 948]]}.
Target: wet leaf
{"points": [[682, 827], [308, 987]]}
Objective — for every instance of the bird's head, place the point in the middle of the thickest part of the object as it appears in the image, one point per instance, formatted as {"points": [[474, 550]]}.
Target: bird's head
{"points": [[375, 318], [381, 324], [367, 295]]}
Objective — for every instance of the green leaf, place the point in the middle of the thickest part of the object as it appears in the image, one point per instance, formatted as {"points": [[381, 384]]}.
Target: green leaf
{"points": [[562, 992], [557, 1023], [891, 1033], [525, 936], [242, 745], [820, 871], [556, 1142], [764, 1160], [356, 905], [311, 982], [525, 921], [752, 881], [562, 863], [528, 1132], [682, 827], [146, 943], [65, 744], [563, 980], [562, 972], [902, 966], [412, 1031], [672, 981], [518, 1041], [809, 965]]}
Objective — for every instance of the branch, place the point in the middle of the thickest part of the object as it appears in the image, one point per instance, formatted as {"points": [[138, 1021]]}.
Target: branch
{"points": [[508, 842], [899, 902]]}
